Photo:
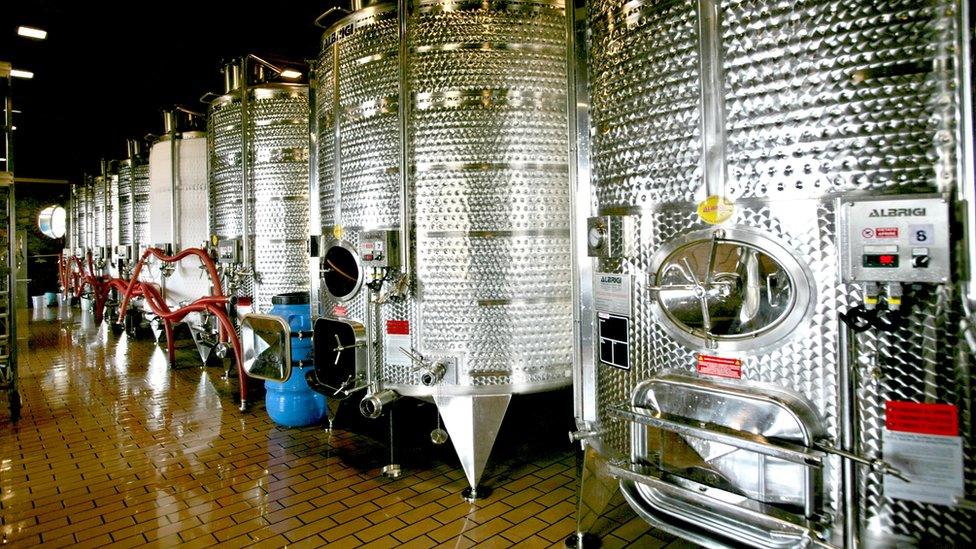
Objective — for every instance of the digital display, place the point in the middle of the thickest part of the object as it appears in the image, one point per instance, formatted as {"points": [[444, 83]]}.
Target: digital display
{"points": [[884, 261]]}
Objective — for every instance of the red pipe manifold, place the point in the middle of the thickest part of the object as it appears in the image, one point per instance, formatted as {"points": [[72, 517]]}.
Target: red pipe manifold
{"points": [[214, 304]]}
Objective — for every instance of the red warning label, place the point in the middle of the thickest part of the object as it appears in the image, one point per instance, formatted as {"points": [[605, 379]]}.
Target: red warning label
{"points": [[719, 366], [398, 327], [340, 311], [886, 232], [922, 418]]}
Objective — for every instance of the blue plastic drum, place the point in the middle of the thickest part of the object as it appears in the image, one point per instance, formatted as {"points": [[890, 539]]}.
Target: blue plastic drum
{"points": [[293, 403]]}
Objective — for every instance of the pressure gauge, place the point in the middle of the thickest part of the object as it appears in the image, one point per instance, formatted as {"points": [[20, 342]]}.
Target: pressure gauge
{"points": [[596, 236]]}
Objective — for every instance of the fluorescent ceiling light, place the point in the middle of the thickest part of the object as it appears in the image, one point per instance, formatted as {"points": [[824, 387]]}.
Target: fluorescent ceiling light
{"points": [[31, 32], [290, 73], [17, 73]]}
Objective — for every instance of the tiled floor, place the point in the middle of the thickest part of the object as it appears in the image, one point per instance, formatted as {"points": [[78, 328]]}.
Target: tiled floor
{"points": [[117, 448]]}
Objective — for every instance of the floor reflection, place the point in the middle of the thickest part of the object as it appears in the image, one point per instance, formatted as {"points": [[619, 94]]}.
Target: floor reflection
{"points": [[118, 447]]}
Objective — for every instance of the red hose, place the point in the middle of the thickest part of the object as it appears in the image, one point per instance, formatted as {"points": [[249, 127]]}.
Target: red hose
{"points": [[121, 284], [73, 278], [212, 304], [205, 259], [100, 286], [62, 274]]}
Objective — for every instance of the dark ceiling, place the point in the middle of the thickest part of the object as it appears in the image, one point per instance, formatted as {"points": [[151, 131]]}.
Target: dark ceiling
{"points": [[107, 68]]}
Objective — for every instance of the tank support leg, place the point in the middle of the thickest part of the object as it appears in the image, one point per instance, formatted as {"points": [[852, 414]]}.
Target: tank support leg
{"points": [[596, 488], [170, 343], [473, 423], [392, 470]]}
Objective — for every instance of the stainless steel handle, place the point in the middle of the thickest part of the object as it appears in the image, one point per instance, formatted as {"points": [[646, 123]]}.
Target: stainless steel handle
{"points": [[340, 347], [877, 465], [328, 14], [751, 442]]}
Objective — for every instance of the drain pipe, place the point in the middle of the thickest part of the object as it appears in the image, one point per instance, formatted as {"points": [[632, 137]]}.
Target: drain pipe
{"points": [[403, 114], [966, 180], [106, 200], [711, 90], [242, 88], [847, 416], [134, 152], [170, 128]]}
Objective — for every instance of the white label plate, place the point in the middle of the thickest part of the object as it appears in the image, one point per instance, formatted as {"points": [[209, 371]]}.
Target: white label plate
{"points": [[613, 293], [933, 463]]}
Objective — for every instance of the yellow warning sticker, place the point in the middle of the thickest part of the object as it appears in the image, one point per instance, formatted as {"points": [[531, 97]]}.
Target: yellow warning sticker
{"points": [[715, 209], [214, 240], [337, 231]]}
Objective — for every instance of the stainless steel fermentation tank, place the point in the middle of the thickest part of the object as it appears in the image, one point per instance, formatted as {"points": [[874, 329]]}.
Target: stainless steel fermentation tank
{"points": [[76, 232], [258, 142], [443, 205], [81, 227], [104, 207], [133, 201], [744, 380], [178, 186]]}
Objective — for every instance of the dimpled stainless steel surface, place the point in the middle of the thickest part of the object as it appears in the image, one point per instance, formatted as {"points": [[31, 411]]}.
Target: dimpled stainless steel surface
{"points": [[488, 155], [821, 98], [644, 98], [325, 143], [923, 361], [363, 50], [280, 187], [85, 215], [125, 213], [365, 59], [489, 152], [99, 211], [141, 192], [224, 126], [277, 141], [829, 96], [77, 217]]}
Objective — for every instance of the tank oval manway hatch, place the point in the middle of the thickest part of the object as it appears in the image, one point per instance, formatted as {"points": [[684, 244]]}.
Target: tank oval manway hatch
{"points": [[730, 290], [721, 462]]}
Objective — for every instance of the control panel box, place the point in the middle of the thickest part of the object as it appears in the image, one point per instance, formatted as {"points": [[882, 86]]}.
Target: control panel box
{"points": [[124, 252], [902, 238], [379, 248], [166, 247], [228, 251]]}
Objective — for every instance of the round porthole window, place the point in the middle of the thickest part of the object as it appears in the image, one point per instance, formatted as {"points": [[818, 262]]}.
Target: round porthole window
{"points": [[730, 289], [342, 272], [51, 221]]}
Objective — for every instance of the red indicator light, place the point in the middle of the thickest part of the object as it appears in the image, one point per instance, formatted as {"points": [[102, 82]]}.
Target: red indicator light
{"points": [[886, 259]]}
